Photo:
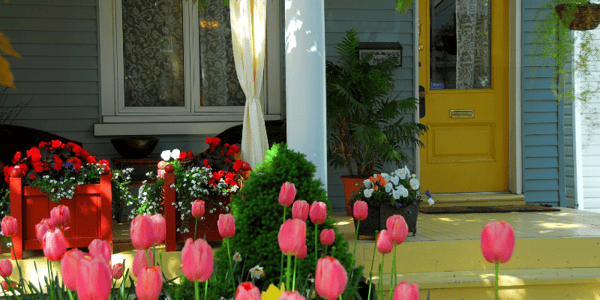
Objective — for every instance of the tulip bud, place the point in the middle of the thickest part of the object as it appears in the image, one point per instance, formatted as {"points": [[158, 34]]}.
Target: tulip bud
{"points": [[160, 228], [140, 261], [295, 295], [149, 284], [117, 271], [327, 237], [405, 291], [59, 216], [302, 252], [497, 241], [55, 245], [142, 232], [100, 248], [247, 291], [9, 226], [68, 267], [226, 225], [41, 228], [398, 230], [384, 244], [361, 210], [6, 268], [318, 212], [287, 194], [331, 278], [197, 259], [198, 209], [300, 210], [94, 278], [292, 235]]}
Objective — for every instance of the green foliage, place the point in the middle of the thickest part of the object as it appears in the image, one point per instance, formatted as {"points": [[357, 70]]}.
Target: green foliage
{"points": [[367, 127], [258, 217], [403, 5], [555, 41]]}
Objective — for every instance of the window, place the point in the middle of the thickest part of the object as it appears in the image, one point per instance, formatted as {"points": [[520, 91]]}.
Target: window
{"points": [[165, 61]]}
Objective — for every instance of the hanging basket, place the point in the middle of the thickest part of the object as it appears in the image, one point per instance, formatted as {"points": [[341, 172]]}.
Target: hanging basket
{"points": [[587, 16]]}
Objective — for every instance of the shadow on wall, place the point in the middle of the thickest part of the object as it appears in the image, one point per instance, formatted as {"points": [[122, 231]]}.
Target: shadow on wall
{"points": [[276, 133]]}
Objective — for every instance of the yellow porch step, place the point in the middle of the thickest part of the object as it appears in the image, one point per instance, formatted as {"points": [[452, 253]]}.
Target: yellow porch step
{"points": [[477, 199]]}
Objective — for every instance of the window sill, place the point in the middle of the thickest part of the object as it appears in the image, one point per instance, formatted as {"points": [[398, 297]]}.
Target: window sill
{"points": [[124, 128]]}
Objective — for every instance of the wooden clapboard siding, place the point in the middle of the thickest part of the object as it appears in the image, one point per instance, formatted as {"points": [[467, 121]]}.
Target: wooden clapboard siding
{"points": [[542, 132], [374, 21]]}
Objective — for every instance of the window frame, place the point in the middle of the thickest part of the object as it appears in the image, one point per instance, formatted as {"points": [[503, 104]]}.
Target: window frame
{"points": [[112, 94]]}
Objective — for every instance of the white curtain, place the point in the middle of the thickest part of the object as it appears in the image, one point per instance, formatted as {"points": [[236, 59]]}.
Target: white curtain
{"points": [[248, 31], [473, 44]]}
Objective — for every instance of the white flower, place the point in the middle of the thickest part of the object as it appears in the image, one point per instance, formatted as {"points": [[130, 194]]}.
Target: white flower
{"points": [[403, 192], [175, 153], [172, 185], [402, 173], [430, 201], [165, 155], [396, 194], [414, 184], [368, 193], [237, 257], [256, 272], [388, 188], [367, 183], [395, 180], [385, 176]]}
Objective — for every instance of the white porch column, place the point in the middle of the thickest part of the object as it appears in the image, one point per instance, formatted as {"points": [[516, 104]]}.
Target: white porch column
{"points": [[305, 81]]}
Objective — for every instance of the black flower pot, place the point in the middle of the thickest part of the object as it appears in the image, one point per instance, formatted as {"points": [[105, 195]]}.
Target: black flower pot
{"points": [[379, 213]]}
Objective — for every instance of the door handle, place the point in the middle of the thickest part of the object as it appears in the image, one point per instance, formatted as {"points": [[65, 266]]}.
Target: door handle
{"points": [[421, 101]]}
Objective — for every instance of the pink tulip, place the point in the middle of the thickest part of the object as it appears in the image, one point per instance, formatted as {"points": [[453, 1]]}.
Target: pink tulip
{"points": [[6, 268], [291, 237], [117, 271], [68, 267], [300, 210], [197, 259], [59, 216], [160, 229], [384, 244], [247, 291], [142, 232], [318, 212], [41, 228], [295, 295], [361, 210], [55, 245], [94, 279], [140, 261], [198, 209], [331, 278], [9, 226], [100, 248], [149, 284], [287, 194], [497, 241], [226, 225], [302, 252], [327, 237], [397, 228], [405, 291]]}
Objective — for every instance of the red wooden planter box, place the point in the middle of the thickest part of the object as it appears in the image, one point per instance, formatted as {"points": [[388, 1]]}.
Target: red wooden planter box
{"points": [[90, 207], [206, 227]]}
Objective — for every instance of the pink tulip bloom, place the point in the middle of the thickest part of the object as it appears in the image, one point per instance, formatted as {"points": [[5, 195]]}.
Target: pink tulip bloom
{"points": [[397, 228], [60, 216], [94, 279], [117, 271], [55, 245], [300, 210], [331, 278], [384, 244], [6, 268], [198, 209], [295, 295], [287, 194], [41, 228], [327, 237], [140, 261], [142, 232], [226, 225], [497, 241], [68, 267], [160, 229], [302, 252], [405, 291], [197, 259], [361, 210], [9, 226], [100, 248], [291, 237], [149, 284], [247, 291], [318, 212]]}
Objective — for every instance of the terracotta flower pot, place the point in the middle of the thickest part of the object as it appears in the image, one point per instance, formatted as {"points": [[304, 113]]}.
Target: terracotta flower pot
{"points": [[351, 186], [585, 17]]}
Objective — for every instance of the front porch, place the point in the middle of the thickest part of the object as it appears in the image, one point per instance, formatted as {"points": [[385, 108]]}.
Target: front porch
{"points": [[555, 256]]}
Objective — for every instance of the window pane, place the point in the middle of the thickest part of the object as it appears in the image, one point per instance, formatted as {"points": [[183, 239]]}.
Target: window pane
{"points": [[460, 44], [153, 52], [219, 83]]}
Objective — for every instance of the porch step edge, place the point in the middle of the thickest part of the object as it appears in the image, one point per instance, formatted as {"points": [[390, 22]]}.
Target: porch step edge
{"points": [[478, 199]]}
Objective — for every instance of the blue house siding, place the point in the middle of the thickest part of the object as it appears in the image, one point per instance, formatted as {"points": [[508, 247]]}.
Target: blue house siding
{"points": [[543, 140], [374, 21]]}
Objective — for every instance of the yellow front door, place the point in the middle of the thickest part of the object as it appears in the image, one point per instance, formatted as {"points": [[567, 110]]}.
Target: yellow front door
{"points": [[463, 72]]}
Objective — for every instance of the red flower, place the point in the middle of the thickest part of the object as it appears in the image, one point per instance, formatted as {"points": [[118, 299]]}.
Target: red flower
{"points": [[84, 153], [230, 178], [23, 168], [206, 163], [209, 140], [182, 155], [227, 160], [7, 171], [57, 163], [90, 159], [43, 144], [35, 154], [17, 157], [76, 163], [237, 165], [32, 176], [216, 141], [57, 144], [38, 167], [218, 175], [233, 150], [104, 162], [190, 156], [222, 153]]}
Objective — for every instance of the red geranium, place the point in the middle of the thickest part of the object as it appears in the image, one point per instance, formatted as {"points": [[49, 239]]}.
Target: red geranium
{"points": [[35, 154], [17, 157], [237, 165], [206, 164], [57, 163], [90, 159], [38, 167], [57, 144]]}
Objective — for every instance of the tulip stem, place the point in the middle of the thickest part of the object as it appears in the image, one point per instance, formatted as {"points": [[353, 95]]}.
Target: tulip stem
{"points": [[230, 267], [316, 252], [281, 269], [153, 256], [70, 294], [325, 253], [381, 276], [148, 257], [17, 263], [372, 263], [10, 288], [196, 229], [497, 264], [295, 267], [51, 279], [289, 272], [197, 289], [205, 288]]}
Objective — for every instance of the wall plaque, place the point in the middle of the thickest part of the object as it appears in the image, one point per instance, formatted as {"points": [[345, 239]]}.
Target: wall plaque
{"points": [[381, 51]]}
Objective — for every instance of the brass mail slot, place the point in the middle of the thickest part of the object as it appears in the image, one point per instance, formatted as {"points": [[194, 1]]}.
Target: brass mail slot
{"points": [[462, 113]]}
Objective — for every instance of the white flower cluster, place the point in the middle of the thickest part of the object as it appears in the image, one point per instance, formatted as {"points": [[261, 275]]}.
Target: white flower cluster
{"points": [[394, 183], [168, 154]]}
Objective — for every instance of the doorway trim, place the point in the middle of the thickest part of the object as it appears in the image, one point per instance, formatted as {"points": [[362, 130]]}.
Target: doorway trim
{"points": [[515, 79]]}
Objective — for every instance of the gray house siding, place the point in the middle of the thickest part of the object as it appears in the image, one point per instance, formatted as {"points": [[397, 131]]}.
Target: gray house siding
{"points": [[374, 21]]}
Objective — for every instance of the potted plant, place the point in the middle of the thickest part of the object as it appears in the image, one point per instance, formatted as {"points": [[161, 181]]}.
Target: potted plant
{"points": [[367, 127], [389, 194], [55, 174], [212, 176], [556, 40]]}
